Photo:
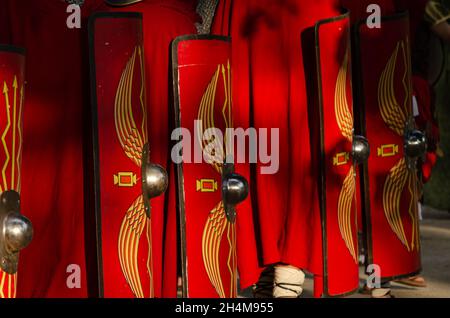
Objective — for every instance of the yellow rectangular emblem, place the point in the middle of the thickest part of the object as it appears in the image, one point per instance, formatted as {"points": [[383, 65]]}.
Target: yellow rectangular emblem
{"points": [[206, 185]]}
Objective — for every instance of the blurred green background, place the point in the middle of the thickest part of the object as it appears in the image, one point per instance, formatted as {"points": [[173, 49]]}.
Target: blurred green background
{"points": [[437, 190]]}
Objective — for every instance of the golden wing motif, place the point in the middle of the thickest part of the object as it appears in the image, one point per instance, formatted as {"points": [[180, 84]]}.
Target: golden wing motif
{"points": [[396, 116], [132, 140], [392, 193], [345, 204], [393, 114], [398, 178], [344, 119], [131, 230], [130, 137], [212, 237], [214, 151], [344, 116]]}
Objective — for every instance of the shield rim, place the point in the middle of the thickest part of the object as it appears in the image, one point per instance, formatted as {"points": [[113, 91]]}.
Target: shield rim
{"points": [[344, 15], [95, 139], [13, 49], [121, 3], [179, 175], [359, 100]]}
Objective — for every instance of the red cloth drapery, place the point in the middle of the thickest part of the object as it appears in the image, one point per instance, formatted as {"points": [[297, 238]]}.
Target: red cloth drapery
{"points": [[271, 91]]}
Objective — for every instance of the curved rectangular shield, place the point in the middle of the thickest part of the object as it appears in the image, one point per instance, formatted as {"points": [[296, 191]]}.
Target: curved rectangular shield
{"points": [[338, 183], [202, 91], [12, 86], [390, 183], [120, 141]]}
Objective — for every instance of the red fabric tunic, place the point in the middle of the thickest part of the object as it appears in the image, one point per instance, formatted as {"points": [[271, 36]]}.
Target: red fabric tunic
{"points": [[270, 91]]}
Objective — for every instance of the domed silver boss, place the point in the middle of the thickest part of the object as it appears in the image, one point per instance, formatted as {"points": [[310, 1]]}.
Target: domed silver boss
{"points": [[360, 149], [415, 144], [16, 231], [234, 191], [154, 179]]}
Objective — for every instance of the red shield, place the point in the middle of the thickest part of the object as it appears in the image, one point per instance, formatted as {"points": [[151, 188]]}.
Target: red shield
{"points": [[202, 89], [339, 217], [12, 85], [390, 187], [119, 111]]}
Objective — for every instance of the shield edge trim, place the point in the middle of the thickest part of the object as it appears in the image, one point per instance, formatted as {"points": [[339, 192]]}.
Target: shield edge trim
{"points": [[359, 101], [322, 195], [121, 3], [13, 49], [95, 142], [179, 167]]}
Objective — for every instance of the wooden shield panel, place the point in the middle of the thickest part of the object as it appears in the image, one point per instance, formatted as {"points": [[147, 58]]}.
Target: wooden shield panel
{"points": [[12, 83], [203, 92], [120, 137], [339, 210], [390, 188]]}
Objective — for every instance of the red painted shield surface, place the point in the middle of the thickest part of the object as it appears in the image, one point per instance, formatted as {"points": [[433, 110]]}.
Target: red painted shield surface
{"points": [[119, 108], [339, 211], [203, 93], [12, 85], [390, 187]]}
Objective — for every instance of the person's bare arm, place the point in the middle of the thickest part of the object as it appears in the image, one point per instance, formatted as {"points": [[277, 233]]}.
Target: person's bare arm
{"points": [[442, 30]]}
